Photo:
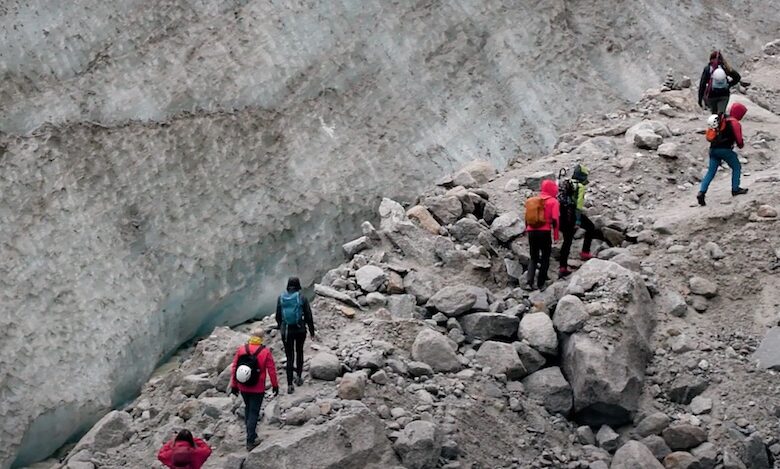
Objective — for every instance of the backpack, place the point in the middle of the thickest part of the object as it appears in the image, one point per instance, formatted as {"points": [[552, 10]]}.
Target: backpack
{"points": [[716, 128], [250, 360], [718, 83], [292, 308], [567, 193], [534, 212]]}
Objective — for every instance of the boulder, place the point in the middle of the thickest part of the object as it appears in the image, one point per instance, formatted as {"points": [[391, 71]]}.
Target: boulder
{"points": [[423, 217], [417, 369], [534, 181], [652, 424], [531, 359], [672, 303], [194, 385], [669, 150], [486, 326], [701, 405], [446, 209], [422, 285], [395, 283], [537, 329], [434, 349], [549, 386], [514, 269], [459, 299], [768, 353], [607, 438], [756, 455], [656, 127], [402, 306], [706, 455], [684, 388], [507, 227], [703, 287], [607, 378], [352, 386], [597, 148], [634, 455], [772, 48], [370, 278], [348, 441], [392, 215], [681, 436], [482, 171], [657, 446], [353, 247], [647, 139], [329, 292], [371, 359], [419, 445], [324, 366], [714, 251], [467, 230], [766, 211], [570, 314], [110, 431], [681, 460], [501, 358]]}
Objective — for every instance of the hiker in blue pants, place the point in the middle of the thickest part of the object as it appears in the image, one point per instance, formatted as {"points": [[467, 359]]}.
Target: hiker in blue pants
{"points": [[722, 149], [293, 316]]}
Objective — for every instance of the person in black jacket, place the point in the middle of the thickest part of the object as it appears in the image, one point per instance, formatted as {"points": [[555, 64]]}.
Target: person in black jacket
{"points": [[716, 82], [293, 303]]}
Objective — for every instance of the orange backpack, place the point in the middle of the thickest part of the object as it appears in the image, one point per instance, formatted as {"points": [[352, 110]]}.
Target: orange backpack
{"points": [[712, 133], [534, 212]]}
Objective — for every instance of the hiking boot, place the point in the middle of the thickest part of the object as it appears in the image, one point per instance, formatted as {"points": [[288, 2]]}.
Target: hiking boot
{"points": [[700, 199], [299, 381], [252, 445], [740, 191], [586, 256], [290, 389], [564, 272]]}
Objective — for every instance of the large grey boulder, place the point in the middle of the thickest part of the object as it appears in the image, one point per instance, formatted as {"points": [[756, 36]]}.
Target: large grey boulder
{"points": [[422, 285], [634, 455], [353, 441], [401, 306], [647, 139], [570, 314], [467, 230], [446, 209], [324, 366], [501, 358], [370, 278], [656, 127], [392, 215], [352, 386], [534, 181], [110, 431], [353, 247], [768, 353], [481, 170], [672, 303], [507, 227], [532, 360], [606, 366], [419, 445], [489, 325], [549, 386], [434, 349], [537, 329], [459, 299], [702, 286], [682, 436]]}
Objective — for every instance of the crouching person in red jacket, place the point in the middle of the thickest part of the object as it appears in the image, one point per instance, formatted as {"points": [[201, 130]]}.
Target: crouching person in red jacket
{"points": [[252, 362], [184, 452]]}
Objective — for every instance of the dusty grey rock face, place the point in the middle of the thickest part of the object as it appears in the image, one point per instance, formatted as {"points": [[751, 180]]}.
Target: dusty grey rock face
{"points": [[423, 286], [607, 382], [755, 456], [368, 446], [434, 349], [489, 325], [501, 358], [634, 455], [112, 430], [419, 445], [551, 387], [570, 314], [768, 353], [537, 329], [325, 366]]}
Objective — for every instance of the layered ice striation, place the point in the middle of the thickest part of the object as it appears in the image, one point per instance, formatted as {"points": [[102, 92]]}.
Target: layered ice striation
{"points": [[165, 164]]}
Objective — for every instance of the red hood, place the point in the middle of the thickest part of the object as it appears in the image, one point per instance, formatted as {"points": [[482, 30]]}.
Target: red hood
{"points": [[738, 111], [550, 188]]}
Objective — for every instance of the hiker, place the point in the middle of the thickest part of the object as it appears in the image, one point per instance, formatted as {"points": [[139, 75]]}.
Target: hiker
{"points": [[252, 362], [572, 201], [715, 84], [728, 132], [542, 220], [293, 315], [184, 452]]}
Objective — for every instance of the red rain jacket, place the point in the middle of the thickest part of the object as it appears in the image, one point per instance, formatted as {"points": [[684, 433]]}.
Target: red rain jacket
{"points": [[180, 455], [267, 366]]}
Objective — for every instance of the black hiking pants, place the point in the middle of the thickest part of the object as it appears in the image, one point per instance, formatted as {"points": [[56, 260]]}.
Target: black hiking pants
{"points": [[252, 404], [569, 228], [541, 248], [293, 349]]}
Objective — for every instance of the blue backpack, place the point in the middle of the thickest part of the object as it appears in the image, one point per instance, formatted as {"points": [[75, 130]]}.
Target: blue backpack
{"points": [[292, 308]]}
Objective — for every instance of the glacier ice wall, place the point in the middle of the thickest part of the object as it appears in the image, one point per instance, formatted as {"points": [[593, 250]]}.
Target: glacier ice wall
{"points": [[165, 164]]}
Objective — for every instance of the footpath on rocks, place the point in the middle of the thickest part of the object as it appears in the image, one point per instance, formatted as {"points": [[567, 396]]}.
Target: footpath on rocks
{"points": [[659, 353]]}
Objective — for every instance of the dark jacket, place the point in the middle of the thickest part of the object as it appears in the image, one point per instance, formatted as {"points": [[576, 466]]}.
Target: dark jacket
{"points": [[732, 134], [705, 93], [308, 319]]}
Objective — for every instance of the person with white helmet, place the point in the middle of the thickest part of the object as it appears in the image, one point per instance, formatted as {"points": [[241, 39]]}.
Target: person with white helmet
{"points": [[251, 364], [716, 82]]}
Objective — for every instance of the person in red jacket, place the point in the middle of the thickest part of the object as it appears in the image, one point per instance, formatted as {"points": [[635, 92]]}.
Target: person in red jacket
{"points": [[253, 394], [184, 452], [539, 239], [722, 149]]}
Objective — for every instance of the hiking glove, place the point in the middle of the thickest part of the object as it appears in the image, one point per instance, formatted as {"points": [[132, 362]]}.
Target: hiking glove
{"points": [[276, 390]]}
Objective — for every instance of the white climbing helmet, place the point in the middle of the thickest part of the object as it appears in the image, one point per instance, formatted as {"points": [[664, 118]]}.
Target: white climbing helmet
{"points": [[243, 373], [719, 74], [712, 121]]}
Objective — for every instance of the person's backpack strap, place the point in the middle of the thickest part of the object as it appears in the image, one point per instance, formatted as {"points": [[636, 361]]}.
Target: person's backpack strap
{"points": [[257, 352]]}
